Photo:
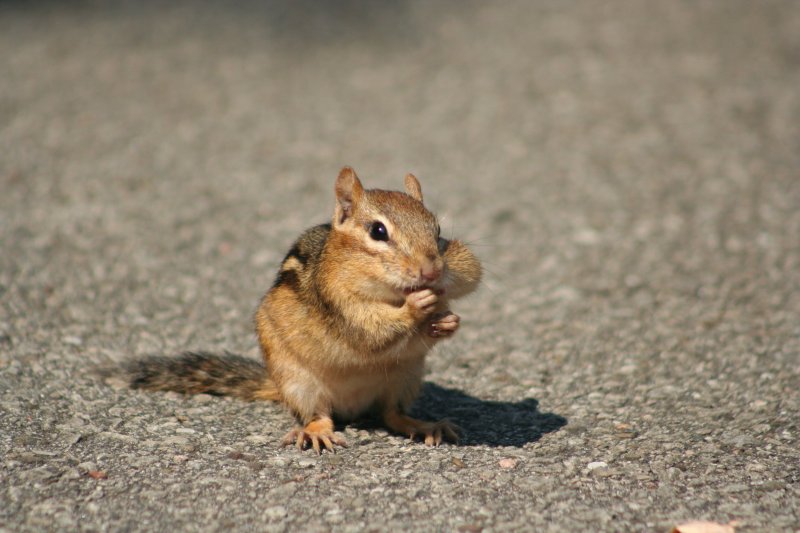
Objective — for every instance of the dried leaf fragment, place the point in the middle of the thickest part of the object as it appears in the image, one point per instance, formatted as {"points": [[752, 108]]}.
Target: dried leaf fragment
{"points": [[701, 526]]}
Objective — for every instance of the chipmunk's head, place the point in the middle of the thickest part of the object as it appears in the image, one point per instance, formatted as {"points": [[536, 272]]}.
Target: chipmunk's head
{"points": [[389, 233]]}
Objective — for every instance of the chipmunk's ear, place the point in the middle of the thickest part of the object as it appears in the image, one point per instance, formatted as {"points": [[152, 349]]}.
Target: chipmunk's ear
{"points": [[348, 194], [413, 187]]}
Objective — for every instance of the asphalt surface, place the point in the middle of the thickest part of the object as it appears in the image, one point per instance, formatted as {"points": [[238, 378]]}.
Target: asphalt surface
{"points": [[629, 172]]}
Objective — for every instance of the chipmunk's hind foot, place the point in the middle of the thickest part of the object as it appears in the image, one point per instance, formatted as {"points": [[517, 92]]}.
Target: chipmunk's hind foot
{"points": [[318, 434], [431, 433]]}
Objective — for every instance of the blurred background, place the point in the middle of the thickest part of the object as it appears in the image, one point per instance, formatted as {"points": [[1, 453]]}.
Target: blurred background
{"points": [[625, 157]]}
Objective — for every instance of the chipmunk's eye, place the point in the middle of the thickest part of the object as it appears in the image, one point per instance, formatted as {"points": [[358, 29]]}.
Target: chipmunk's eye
{"points": [[378, 231]]}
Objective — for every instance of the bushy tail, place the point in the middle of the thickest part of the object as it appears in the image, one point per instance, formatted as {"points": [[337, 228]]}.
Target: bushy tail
{"points": [[201, 372]]}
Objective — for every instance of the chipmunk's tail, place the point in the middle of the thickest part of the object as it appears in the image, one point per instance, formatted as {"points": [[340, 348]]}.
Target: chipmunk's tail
{"points": [[201, 372]]}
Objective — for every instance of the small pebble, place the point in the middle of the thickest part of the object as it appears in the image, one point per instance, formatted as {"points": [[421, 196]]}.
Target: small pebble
{"points": [[73, 341], [508, 463]]}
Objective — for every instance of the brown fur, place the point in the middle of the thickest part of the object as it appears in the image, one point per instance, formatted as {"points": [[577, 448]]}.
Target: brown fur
{"points": [[347, 324]]}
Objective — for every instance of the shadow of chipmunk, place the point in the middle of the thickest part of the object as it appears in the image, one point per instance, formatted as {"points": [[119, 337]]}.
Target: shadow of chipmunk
{"points": [[483, 422]]}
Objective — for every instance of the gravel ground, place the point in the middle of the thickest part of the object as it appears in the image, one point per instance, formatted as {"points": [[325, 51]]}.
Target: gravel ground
{"points": [[629, 172]]}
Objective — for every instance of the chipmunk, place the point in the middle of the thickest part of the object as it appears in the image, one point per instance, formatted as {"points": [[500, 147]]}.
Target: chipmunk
{"points": [[345, 327]]}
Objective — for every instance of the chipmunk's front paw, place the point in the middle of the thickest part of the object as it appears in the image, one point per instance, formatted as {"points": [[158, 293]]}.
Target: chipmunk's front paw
{"points": [[422, 302], [443, 324], [317, 433]]}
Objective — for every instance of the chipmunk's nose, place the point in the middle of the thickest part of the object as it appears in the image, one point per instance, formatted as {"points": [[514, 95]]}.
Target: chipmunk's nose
{"points": [[430, 270]]}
